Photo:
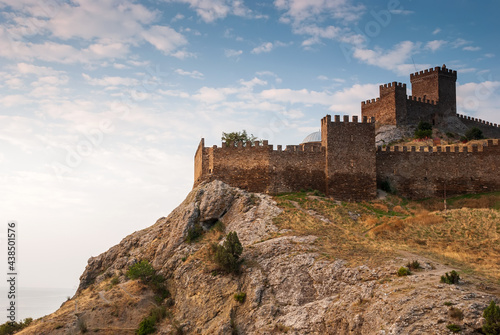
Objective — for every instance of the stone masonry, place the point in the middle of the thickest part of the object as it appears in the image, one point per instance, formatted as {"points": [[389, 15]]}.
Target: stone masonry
{"points": [[346, 164]]}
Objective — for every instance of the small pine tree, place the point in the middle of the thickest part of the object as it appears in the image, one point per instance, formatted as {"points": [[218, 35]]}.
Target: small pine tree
{"points": [[227, 255], [142, 270], [492, 319]]}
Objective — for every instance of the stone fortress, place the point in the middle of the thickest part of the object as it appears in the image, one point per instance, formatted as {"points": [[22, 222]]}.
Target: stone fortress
{"points": [[343, 162]]}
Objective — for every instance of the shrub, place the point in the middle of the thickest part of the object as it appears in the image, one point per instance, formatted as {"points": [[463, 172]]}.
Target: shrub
{"points": [[141, 270], [219, 226], [415, 265], [474, 134], [147, 274], [240, 297], [450, 135], [448, 303], [115, 281], [194, 233], [492, 319], [147, 326], [456, 313], [454, 328], [13, 327], [403, 271], [227, 255], [451, 278], [424, 130]]}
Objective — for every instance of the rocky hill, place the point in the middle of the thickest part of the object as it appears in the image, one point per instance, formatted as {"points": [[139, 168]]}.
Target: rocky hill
{"points": [[310, 266]]}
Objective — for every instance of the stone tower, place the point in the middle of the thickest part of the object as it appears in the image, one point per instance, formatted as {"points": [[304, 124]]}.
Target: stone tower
{"points": [[438, 84], [350, 168]]}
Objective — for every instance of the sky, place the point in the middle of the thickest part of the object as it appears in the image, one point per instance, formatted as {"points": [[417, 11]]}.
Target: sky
{"points": [[103, 102]]}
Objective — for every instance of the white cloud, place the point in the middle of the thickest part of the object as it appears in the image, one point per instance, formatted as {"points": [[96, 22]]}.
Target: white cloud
{"points": [[401, 12], [232, 53], [471, 48], [210, 95], [164, 38], [84, 19], [348, 100], [254, 82], [459, 42], [301, 10], [393, 60], [435, 45], [14, 100], [480, 100], [264, 47], [211, 10], [193, 74], [436, 31], [489, 55], [297, 96], [110, 81], [26, 68]]}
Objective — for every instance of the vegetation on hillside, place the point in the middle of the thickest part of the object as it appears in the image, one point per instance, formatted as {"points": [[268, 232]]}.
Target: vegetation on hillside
{"points": [[466, 236], [424, 130], [12, 327]]}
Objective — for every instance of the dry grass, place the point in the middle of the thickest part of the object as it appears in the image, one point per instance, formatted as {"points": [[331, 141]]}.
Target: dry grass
{"points": [[372, 231]]}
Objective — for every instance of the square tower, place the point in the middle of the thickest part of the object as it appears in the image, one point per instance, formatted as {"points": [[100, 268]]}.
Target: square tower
{"points": [[438, 84], [350, 167]]}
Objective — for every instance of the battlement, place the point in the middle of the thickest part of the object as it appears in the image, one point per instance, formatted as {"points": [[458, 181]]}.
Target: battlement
{"points": [[328, 119], [432, 71], [257, 145], [392, 88], [442, 148], [483, 122], [372, 101], [420, 99]]}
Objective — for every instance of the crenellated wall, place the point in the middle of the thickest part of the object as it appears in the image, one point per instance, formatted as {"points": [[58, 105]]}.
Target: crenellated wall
{"points": [[433, 99], [490, 130], [350, 157], [390, 107], [420, 172], [259, 168]]}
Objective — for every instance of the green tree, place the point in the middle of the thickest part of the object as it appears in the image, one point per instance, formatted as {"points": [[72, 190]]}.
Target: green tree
{"points": [[474, 134], [424, 130], [238, 137], [227, 255], [492, 319], [142, 270]]}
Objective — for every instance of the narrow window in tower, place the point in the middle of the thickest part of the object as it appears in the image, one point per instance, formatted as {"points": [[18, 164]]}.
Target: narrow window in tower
{"points": [[352, 138]]}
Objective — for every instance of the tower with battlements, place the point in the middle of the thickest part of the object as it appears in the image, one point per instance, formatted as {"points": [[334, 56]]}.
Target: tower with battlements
{"points": [[433, 99], [343, 162]]}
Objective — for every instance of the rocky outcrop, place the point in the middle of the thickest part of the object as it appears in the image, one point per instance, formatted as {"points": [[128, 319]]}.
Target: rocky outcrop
{"points": [[289, 287]]}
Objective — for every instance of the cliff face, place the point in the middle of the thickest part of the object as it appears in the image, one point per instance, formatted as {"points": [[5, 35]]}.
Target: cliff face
{"points": [[290, 287]]}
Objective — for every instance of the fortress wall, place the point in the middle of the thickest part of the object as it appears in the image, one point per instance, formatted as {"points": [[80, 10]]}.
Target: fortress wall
{"points": [[419, 109], [350, 150], [490, 130], [297, 168], [259, 168], [200, 163], [424, 172], [390, 108], [245, 167]]}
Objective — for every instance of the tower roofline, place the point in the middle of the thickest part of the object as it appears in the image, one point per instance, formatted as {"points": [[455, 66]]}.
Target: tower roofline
{"points": [[440, 70]]}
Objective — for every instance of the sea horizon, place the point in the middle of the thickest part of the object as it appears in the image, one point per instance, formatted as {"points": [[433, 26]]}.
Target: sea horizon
{"points": [[35, 302]]}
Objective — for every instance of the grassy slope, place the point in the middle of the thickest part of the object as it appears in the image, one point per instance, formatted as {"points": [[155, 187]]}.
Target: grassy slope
{"points": [[467, 236]]}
